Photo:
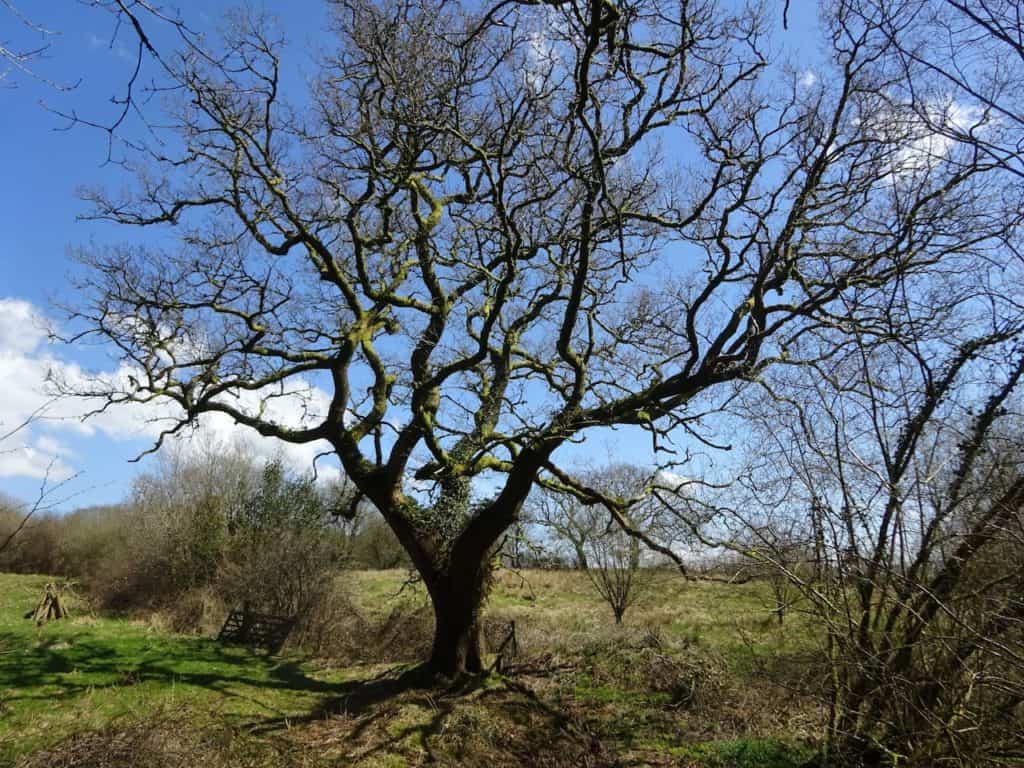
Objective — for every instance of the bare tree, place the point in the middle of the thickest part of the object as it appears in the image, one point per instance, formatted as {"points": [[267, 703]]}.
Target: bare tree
{"points": [[616, 570], [568, 524], [962, 64], [780, 551], [928, 648], [20, 515], [611, 557], [902, 467], [467, 246]]}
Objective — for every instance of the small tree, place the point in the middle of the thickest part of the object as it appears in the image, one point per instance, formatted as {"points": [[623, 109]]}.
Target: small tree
{"points": [[611, 557], [780, 558], [616, 570], [567, 525]]}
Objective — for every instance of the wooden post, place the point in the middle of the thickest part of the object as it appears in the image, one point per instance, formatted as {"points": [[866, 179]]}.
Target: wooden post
{"points": [[246, 629]]}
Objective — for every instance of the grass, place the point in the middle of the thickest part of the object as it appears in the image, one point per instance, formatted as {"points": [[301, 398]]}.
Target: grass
{"points": [[681, 683], [747, 753], [720, 615], [86, 672]]}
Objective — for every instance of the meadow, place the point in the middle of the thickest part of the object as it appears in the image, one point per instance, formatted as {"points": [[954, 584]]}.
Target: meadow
{"points": [[699, 674]]}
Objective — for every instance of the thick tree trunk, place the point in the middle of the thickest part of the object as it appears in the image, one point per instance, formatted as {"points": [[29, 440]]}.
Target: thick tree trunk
{"points": [[456, 584], [458, 592], [456, 651], [456, 572]]}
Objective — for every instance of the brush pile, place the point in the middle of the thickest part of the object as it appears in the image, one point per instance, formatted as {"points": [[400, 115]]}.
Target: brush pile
{"points": [[50, 607]]}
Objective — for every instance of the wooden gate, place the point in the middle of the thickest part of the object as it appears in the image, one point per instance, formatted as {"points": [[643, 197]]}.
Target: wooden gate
{"points": [[257, 630]]}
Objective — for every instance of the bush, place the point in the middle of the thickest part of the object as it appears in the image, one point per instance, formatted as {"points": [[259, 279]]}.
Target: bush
{"points": [[376, 547], [334, 627], [199, 533], [213, 531], [35, 548], [283, 549]]}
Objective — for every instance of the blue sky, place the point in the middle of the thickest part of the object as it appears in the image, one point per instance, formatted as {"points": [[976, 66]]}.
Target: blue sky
{"points": [[43, 168]]}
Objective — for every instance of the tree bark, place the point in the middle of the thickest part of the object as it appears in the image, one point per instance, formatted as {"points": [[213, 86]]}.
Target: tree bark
{"points": [[581, 557], [457, 576], [456, 650], [458, 596], [455, 579]]}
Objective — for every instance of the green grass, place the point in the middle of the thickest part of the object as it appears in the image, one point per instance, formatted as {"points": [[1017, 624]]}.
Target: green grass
{"points": [[98, 674], [734, 619], [747, 753], [86, 672]]}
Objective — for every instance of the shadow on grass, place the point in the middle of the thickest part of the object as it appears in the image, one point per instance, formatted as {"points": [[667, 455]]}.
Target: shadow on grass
{"points": [[404, 711], [357, 698], [407, 710], [67, 665]]}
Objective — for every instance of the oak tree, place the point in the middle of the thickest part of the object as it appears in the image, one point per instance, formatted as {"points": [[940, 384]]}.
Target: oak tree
{"points": [[486, 230]]}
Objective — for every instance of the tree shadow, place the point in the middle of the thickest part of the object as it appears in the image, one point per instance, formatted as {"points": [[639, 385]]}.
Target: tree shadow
{"points": [[358, 698], [66, 666], [372, 715], [401, 709]]}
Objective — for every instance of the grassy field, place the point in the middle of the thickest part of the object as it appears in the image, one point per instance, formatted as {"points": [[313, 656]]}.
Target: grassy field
{"points": [[699, 675]]}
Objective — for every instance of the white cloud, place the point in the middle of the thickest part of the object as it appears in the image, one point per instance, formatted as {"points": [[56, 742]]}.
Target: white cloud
{"points": [[934, 142], [542, 58], [925, 139], [35, 459], [670, 481], [22, 328], [52, 446], [25, 454], [807, 79], [27, 359]]}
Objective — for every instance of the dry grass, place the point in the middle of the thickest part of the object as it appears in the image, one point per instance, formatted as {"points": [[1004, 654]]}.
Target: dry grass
{"points": [[560, 612], [168, 739]]}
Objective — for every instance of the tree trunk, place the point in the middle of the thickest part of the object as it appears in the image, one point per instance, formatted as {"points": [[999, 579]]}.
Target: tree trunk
{"points": [[581, 557], [458, 595], [457, 576], [456, 650]]}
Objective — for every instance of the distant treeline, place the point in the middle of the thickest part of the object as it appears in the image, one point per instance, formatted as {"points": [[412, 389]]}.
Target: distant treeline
{"points": [[253, 531], [219, 518]]}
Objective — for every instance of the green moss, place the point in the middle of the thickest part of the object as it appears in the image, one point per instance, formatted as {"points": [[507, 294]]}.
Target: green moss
{"points": [[588, 691]]}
